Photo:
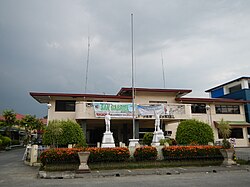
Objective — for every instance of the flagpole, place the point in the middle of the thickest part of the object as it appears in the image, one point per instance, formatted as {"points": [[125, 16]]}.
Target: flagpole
{"points": [[133, 89]]}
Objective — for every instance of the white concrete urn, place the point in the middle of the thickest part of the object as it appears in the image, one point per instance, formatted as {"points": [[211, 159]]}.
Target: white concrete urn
{"points": [[228, 157], [83, 167]]}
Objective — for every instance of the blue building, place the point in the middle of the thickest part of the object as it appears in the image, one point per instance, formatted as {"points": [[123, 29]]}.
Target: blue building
{"points": [[235, 89]]}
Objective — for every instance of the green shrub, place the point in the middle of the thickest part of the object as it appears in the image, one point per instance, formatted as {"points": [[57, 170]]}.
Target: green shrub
{"points": [[167, 140], [5, 140], [191, 152], [67, 155], [61, 133], [147, 138], [145, 153], [194, 132]]}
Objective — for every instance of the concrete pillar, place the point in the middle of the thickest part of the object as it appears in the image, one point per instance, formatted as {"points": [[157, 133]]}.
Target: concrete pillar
{"points": [[33, 155], [137, 129], [83, 124]]}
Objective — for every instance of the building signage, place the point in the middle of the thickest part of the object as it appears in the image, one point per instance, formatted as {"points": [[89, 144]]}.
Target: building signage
{"points": [[146, 110], [119, 110]]}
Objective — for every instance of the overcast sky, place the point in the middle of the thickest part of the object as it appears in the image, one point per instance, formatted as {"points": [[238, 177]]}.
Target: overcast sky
{"points": [[43, 46]]}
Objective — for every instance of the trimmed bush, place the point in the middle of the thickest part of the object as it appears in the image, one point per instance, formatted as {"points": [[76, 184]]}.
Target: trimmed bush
{"points": [[145, 153], [66, 155], [191, 152], [147, 138], [61, 133], [194, 132]]}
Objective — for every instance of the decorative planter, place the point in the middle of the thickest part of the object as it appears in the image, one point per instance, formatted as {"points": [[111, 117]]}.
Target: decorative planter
{"points": [[228, 157], [83, 167]]}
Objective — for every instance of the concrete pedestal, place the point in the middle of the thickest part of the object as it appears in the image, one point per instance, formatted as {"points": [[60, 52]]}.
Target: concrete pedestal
{"points": [[108, 140], [83, 167], [158, 135], [133, 142]]}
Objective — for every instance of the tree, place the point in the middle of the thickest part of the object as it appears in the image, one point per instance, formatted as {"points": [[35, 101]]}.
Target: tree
{"points": [[194, 132], [30, 123], [225, 131], [9, 120]]}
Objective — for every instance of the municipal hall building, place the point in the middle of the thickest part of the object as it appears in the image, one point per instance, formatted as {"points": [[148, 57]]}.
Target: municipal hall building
{"points": [[229, 101]]}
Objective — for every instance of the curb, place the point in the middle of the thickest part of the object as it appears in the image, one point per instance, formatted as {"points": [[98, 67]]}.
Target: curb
{"points": [[134, 172]]}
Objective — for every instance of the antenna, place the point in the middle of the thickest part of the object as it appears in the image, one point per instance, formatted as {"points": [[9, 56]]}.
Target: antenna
{"points": [[87, 68], [163, 72]]}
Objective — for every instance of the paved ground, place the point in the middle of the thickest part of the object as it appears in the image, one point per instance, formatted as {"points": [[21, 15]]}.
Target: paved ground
{"points": [[14, 173], [243, 153]]}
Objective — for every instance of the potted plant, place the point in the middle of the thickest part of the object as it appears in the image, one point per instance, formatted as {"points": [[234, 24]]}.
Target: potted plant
{"points": [[227, 150]]}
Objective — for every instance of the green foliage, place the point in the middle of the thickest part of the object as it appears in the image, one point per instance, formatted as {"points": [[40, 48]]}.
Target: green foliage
{"points": [[9, 120], [5, 140], [226, 144], [194, 132], [224, 130], [191, 152], [52, 133], [147, 138], [145, 153], [62, 133], [167, 140], [66, 155], [30, 123]]}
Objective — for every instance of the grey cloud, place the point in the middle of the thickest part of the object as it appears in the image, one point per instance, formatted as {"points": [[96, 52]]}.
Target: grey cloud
{"points": [[43, 46]]}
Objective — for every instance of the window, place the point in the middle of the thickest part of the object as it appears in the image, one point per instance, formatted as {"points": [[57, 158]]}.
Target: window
{"points": [[62, 105], [234, 88], [235, 133], [227, 109], [198, 108]]}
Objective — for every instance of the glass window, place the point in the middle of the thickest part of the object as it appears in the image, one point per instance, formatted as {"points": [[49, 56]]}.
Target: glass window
{"points": [[62, 105], [198, 108], [235, 133], [235, 88], [227, 109]]}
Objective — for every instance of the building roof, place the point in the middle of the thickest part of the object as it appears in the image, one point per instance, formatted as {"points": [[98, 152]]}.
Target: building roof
{"points": [[179, 92], [18, 117], [235, 80], [210, 100], [46, 97]]}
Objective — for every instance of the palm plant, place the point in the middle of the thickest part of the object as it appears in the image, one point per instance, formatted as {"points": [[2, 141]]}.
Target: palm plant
{"points": [[225, 131], [9, 120]]}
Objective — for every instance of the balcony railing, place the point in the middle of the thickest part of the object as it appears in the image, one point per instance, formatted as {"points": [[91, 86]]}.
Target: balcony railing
{"points": [[95, 110]]}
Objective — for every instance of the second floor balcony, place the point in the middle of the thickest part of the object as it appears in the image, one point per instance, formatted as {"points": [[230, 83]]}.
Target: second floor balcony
{"points": [[95, 110]]}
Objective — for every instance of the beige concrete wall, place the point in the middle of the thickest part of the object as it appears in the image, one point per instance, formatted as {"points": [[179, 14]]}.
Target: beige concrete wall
{"points": [[52, 114], [145, 97]]}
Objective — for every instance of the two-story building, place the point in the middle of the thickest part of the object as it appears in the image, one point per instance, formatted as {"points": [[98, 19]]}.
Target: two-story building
{"points": [[89, 111]]}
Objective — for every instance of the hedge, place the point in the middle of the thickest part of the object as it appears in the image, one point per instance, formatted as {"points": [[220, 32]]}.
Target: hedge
{"points": [[67, 155], [145, 153], [191, 152]]}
